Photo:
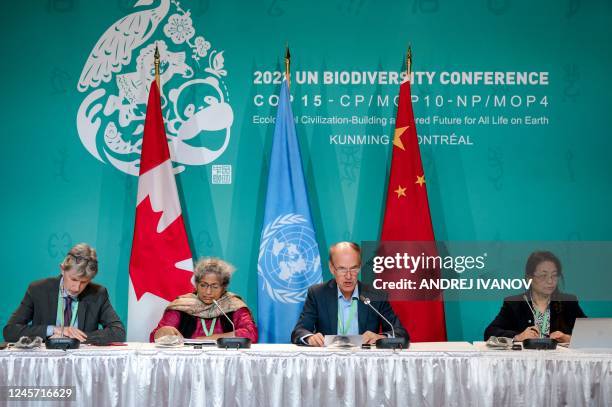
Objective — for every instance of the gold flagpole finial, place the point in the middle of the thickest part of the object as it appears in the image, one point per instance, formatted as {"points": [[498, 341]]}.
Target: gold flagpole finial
{"points": [[288, 65], [409, 60], [156, 62]]}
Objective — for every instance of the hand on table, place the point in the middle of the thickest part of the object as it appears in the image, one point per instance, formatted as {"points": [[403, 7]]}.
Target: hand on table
{"points": [[167, 330], [528, 333], [70, 332], [560, 337], [370, 337], [316, 340]]}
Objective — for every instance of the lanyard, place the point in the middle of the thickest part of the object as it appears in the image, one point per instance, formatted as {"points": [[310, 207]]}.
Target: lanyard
{"points": [[60, 310], [342, 327], [542, 321], [208, 332]]}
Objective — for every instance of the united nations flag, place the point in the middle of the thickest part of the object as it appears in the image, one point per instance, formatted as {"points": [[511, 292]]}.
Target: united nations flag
{"points": [[289, 260]]}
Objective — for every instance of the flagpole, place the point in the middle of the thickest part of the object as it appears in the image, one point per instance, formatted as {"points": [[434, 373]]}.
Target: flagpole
{"points": [[151, 244], [156, 62], [409, 62], [287, 65]]}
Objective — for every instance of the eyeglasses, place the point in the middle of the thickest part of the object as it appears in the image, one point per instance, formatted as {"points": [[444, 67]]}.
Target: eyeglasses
{"points": [[343, 271], [546, 277], [213, 287], [90, 263]]}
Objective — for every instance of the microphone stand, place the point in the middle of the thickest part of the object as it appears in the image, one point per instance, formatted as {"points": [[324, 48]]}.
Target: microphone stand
{"points": [[234, 342], [540, 343], [386, 343]]}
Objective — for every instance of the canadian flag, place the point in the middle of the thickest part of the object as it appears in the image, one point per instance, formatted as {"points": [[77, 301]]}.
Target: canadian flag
{"points": [[161, 265]]}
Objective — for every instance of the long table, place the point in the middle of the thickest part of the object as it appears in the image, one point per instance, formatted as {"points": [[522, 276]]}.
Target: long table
{"points": [[428, 374]]}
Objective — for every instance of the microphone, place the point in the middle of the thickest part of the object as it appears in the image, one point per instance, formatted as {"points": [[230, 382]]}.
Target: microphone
{"points": [[226, 317], [530, 307], [234, 342], [386, 343], [367, 302], [64, 324]]}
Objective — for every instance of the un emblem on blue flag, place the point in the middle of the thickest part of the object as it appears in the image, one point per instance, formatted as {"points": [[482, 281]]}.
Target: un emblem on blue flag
{"points": [[289, 259]]}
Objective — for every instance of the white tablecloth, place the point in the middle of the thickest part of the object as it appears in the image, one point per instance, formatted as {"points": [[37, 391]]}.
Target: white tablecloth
{"points": [[452, 374]]}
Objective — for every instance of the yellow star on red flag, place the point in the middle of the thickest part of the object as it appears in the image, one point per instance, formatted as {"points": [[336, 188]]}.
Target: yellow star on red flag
{"points": [[397, 137], [409, 220], [420, 180]]}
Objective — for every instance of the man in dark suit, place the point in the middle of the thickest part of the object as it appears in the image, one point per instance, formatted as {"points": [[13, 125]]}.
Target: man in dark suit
{"points": [[69, 305], [334, 307]]}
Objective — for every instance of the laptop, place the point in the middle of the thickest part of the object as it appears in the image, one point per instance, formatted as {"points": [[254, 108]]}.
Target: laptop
{"points": [[592, 333]]}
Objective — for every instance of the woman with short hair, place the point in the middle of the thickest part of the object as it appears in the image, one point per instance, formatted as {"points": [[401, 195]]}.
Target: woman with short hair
{"points": [[195, 315]]}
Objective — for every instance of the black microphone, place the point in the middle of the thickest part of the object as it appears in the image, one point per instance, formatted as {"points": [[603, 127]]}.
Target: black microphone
{"points": [[64, 322], [367, 302], [531, 308], [226, 317], [386, 343], [234, 342]]}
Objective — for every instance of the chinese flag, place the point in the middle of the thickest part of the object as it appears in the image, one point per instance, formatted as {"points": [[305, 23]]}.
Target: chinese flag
{"points": [[161, 265], [407, 218]]}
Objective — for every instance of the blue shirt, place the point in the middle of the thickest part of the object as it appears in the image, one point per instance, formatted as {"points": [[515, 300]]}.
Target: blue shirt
{"points": [[344, 309]]}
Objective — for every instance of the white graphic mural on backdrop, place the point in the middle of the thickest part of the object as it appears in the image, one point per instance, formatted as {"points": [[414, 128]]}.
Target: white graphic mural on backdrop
{"points": [[116, 80]]}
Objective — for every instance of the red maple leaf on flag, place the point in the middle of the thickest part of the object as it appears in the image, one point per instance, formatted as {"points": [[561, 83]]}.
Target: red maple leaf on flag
{"points": [[155, 255]]}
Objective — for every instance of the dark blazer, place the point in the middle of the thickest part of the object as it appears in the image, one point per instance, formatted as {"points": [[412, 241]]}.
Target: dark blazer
{"points": [[515, 316], [320, 313], [38, 309]]}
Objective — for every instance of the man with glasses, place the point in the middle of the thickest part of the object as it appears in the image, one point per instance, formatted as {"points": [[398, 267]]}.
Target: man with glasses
{"points": [[335, 308], [69, 305]]}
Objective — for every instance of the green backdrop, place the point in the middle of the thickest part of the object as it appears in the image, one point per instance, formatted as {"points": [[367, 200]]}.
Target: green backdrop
{"points": [[549, 181]]}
